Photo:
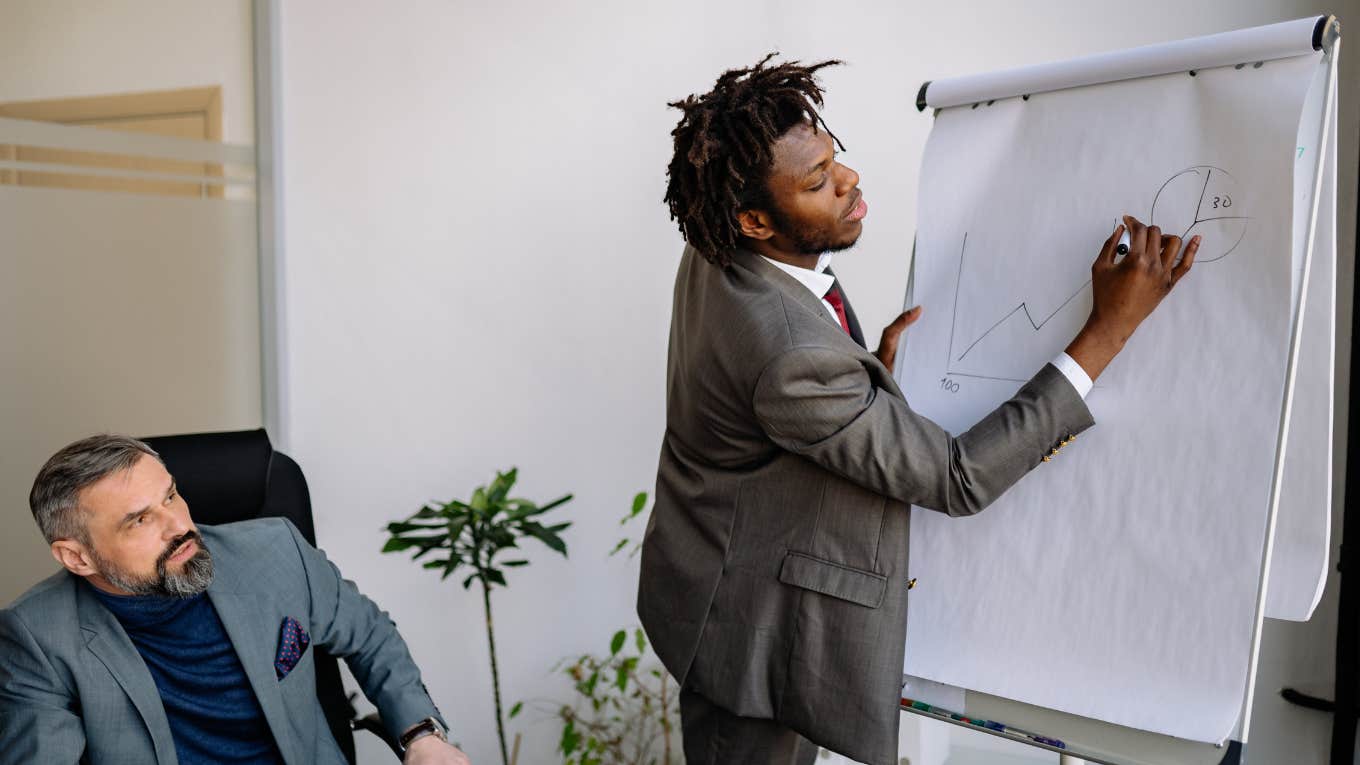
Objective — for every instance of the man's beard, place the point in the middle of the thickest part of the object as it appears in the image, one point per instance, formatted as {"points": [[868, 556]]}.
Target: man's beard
{"points": [[195, 577], [806, 239]]}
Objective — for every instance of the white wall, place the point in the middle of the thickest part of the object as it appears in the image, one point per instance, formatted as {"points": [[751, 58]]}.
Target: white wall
{"points": [[479, 268]]}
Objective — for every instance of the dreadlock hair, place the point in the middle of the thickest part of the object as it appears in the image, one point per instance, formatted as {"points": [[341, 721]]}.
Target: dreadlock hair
{"points": [[724, 148]]}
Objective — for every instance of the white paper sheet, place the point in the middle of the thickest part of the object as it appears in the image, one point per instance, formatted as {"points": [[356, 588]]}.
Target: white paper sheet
{"points": [[1298, 569], [1119, 581]]}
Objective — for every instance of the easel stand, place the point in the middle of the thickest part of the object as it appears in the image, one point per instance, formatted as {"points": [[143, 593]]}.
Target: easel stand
{"points": [[1092, 741], [1331, 43]]}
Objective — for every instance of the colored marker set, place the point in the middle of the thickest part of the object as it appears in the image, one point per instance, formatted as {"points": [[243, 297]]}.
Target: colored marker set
{"points": [[986, 724]]}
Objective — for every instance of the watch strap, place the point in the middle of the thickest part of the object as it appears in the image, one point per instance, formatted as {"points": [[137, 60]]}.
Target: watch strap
{"points": [[427, 727]]}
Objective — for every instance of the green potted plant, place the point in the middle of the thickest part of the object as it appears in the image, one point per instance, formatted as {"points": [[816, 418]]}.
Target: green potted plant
{"points": [[471, 535], [625, 706]]}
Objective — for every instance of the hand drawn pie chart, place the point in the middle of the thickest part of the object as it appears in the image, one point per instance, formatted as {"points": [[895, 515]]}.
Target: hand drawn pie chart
{"points": [[1204, 200]]}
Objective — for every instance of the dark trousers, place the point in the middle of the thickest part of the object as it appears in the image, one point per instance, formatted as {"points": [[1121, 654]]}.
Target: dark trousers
{"points": [[715, 736]]}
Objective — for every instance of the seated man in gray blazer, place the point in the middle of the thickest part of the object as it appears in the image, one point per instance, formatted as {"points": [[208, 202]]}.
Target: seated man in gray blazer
{"points": [[774, 569], [165, 642]]}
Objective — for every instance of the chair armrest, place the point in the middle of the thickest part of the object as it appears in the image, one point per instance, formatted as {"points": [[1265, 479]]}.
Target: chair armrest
{"points": [[373, 724]]}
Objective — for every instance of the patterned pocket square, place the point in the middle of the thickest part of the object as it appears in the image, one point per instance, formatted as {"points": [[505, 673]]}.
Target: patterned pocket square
{"points": [[293, 642]]}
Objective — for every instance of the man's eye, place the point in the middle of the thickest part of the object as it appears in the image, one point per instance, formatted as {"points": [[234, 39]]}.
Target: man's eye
{"points": [[138, 520], [819, 186]]}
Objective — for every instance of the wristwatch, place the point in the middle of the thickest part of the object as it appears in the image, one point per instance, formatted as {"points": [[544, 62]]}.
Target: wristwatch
{"points": [[427, 727]]}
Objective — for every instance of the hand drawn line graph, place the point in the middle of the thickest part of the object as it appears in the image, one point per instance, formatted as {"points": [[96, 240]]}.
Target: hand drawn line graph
{"points": [[1198, 197], [1023, 308]]}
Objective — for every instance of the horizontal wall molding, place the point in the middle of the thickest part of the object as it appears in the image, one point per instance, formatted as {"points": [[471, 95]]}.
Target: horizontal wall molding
{"points": [[82, 170], [54, 136]]}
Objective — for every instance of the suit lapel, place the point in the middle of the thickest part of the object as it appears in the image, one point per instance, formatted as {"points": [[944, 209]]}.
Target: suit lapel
{"points": [[107, 640], [856, 333], [792, 289], [254, 638], [789, 286]]}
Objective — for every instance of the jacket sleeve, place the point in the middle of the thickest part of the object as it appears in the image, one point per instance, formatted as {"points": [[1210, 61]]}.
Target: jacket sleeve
{"points": [[38, 715], [352, 627], [822, 404]]}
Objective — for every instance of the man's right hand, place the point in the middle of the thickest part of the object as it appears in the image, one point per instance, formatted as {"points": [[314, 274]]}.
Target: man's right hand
{"points": [[1124, 292]]}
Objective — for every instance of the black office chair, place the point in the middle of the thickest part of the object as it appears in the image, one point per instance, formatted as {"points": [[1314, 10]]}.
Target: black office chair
{"points": [[236, 476]]}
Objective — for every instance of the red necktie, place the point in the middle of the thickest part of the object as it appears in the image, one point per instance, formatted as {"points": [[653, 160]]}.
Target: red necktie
{"points": [[833, 296]]}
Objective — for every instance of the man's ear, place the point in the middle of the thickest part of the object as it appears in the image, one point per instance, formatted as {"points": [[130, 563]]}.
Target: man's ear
{"points": [[755, 224], [74, 557]]}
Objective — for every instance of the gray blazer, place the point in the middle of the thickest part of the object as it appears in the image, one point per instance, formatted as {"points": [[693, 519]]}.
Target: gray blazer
{"points": [[74, 689], [774, 568]]}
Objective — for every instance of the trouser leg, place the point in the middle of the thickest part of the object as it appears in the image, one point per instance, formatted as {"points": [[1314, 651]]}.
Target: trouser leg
{"points": [[714, 736]]}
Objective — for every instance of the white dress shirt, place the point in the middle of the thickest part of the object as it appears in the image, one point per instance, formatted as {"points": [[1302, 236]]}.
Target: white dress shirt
{"points": [[819, 283]]}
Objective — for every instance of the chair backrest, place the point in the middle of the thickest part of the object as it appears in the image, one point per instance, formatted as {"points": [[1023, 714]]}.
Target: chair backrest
{"points": [[237, 476]]}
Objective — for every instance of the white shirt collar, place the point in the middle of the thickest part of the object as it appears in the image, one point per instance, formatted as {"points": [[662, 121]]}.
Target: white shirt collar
{"points": [[815, 279]]}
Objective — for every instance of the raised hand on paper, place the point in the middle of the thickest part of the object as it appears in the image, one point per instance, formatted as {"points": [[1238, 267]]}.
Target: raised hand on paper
{"points": [[1126, 290]]}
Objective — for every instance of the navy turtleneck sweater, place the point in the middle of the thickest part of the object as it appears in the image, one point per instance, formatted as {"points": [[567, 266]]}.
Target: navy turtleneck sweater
{"points": [[214, 715]]}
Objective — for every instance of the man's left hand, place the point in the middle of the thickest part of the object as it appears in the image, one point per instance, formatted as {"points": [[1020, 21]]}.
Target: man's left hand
{"points": [[429, 750], [887, 347]]}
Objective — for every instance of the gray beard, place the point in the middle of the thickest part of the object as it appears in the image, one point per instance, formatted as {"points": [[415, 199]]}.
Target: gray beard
{"points": [[192, 580]]}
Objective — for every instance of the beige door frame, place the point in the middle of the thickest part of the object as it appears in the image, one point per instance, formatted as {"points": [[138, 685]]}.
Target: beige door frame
{"points": [[109, 110]]}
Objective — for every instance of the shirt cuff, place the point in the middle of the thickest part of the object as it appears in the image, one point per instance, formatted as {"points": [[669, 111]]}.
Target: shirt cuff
{"points": [[1074, 374]]}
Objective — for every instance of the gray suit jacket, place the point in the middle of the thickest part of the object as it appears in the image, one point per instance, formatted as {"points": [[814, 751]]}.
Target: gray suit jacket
{"points": [[74, 689], [774, 568]]}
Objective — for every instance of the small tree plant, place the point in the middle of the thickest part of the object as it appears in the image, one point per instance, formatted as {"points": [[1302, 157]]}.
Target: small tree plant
{"points": [[471, 534]]}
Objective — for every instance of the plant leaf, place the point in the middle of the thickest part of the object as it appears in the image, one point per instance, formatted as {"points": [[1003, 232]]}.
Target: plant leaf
{"points": [[515, 709], [513, 563], [641, 639], [546, 536], [494, 576], [396, 544], [570, 738], [639, 502], [617, 643], [402, 527], [556, 503], [500, 487], [622, 544], [426, 544]]}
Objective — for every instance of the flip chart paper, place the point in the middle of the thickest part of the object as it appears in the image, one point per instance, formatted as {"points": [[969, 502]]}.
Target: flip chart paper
{"points": [[1118, 581]]}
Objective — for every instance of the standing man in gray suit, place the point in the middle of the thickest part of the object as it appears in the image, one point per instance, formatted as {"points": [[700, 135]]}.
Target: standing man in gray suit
{"points": [[162, 642], [774, 568]]}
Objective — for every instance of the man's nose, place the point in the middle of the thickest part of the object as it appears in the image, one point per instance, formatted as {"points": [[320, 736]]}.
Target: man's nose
{"points": [[177, 525], [848, 179]]}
